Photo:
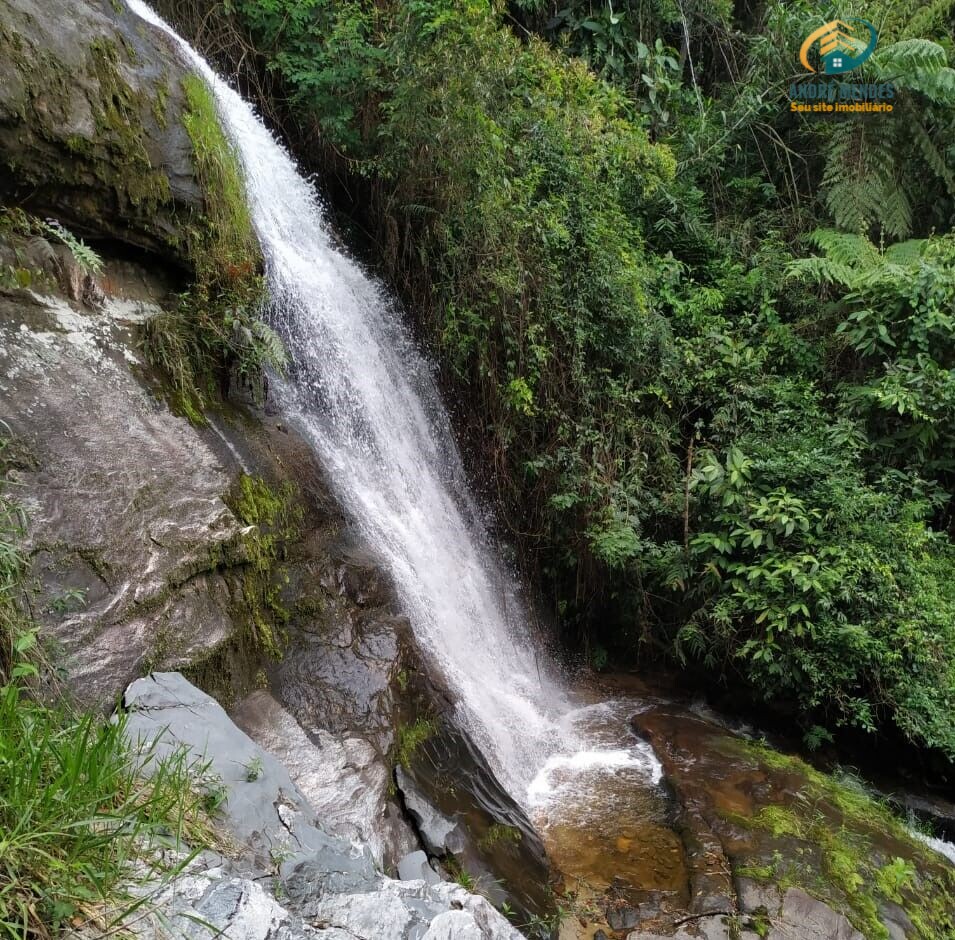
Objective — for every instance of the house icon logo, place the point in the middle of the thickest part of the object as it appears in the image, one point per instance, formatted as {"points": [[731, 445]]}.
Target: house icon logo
{"points": [[843, 45]]}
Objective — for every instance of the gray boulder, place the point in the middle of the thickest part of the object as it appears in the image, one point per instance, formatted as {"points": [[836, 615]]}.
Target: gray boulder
{"points": [[261, 807], [441, 834], [415, 867], [329, 886]]}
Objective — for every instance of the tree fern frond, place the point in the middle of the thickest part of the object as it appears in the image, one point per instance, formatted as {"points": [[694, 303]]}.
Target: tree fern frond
{"points": [[895, 209], [937, 84], [817, 270], [907, 55], [905, 253], [862, 185], [933, 156], [843, 247]]}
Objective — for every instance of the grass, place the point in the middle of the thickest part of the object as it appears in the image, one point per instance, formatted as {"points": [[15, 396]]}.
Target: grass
{"points": [[499, 834], [410, 738], [79, 820], [75, 815]]}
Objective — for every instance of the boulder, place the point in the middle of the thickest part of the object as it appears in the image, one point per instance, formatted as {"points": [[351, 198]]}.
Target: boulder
{"points": [[91, 128], [415, 867], [342, 775], [440, 834], [329, 886]]}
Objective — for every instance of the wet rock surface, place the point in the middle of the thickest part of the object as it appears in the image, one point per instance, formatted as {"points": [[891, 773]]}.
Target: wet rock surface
{"points": [[127, 530], [345, 779], [461, 813], [769, 847], [329, 887]]}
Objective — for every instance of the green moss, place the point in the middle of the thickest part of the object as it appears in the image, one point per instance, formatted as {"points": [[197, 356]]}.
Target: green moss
{"points": [[779, 821], [756, 872], [160, 105], [118, 113], [410, 738], [273, 517], [839, 821], [255, 566], [222, 245]]}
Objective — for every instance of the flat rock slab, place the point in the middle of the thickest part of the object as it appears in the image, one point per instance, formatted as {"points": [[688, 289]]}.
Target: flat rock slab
{"points": [[807, 918], [342, 777]]}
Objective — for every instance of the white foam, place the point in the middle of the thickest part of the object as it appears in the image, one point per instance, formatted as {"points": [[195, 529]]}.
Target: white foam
{"points": [[940, 845]]}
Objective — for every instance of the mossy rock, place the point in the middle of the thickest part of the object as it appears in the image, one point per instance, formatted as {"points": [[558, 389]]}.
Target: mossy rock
{"points": [[93, 129]]}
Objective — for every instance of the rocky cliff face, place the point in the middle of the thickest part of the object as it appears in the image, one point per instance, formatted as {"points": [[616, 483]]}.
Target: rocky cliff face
{"points": [[91, 129]]}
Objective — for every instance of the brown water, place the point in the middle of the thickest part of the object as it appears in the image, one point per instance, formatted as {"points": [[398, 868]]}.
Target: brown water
{"points": [[657, 841]]}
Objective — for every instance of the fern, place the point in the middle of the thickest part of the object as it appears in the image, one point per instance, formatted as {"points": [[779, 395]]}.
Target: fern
{"points": [[906, 253], [269, 345], [818, 270], [83, 255], [843, 248], [853, 262], [862, 185], [907, 55], [934, 157], [255, 343]]}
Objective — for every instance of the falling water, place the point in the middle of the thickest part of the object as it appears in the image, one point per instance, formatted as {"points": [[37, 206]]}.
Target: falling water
{"points": [[365, 399]]}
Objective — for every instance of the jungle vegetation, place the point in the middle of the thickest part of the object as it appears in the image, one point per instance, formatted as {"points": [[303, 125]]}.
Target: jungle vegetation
{"points": [[701, 346]]}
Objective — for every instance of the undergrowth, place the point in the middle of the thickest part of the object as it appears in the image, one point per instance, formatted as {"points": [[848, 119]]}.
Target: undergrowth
{"points": [[410, 738], [79, 823]]}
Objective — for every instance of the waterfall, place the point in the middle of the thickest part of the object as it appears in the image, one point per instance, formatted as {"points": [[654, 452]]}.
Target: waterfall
{"points": [[366, 400]]}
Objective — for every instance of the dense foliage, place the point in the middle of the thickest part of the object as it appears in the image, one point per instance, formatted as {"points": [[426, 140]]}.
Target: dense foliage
{"points": [[707, 378]]}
